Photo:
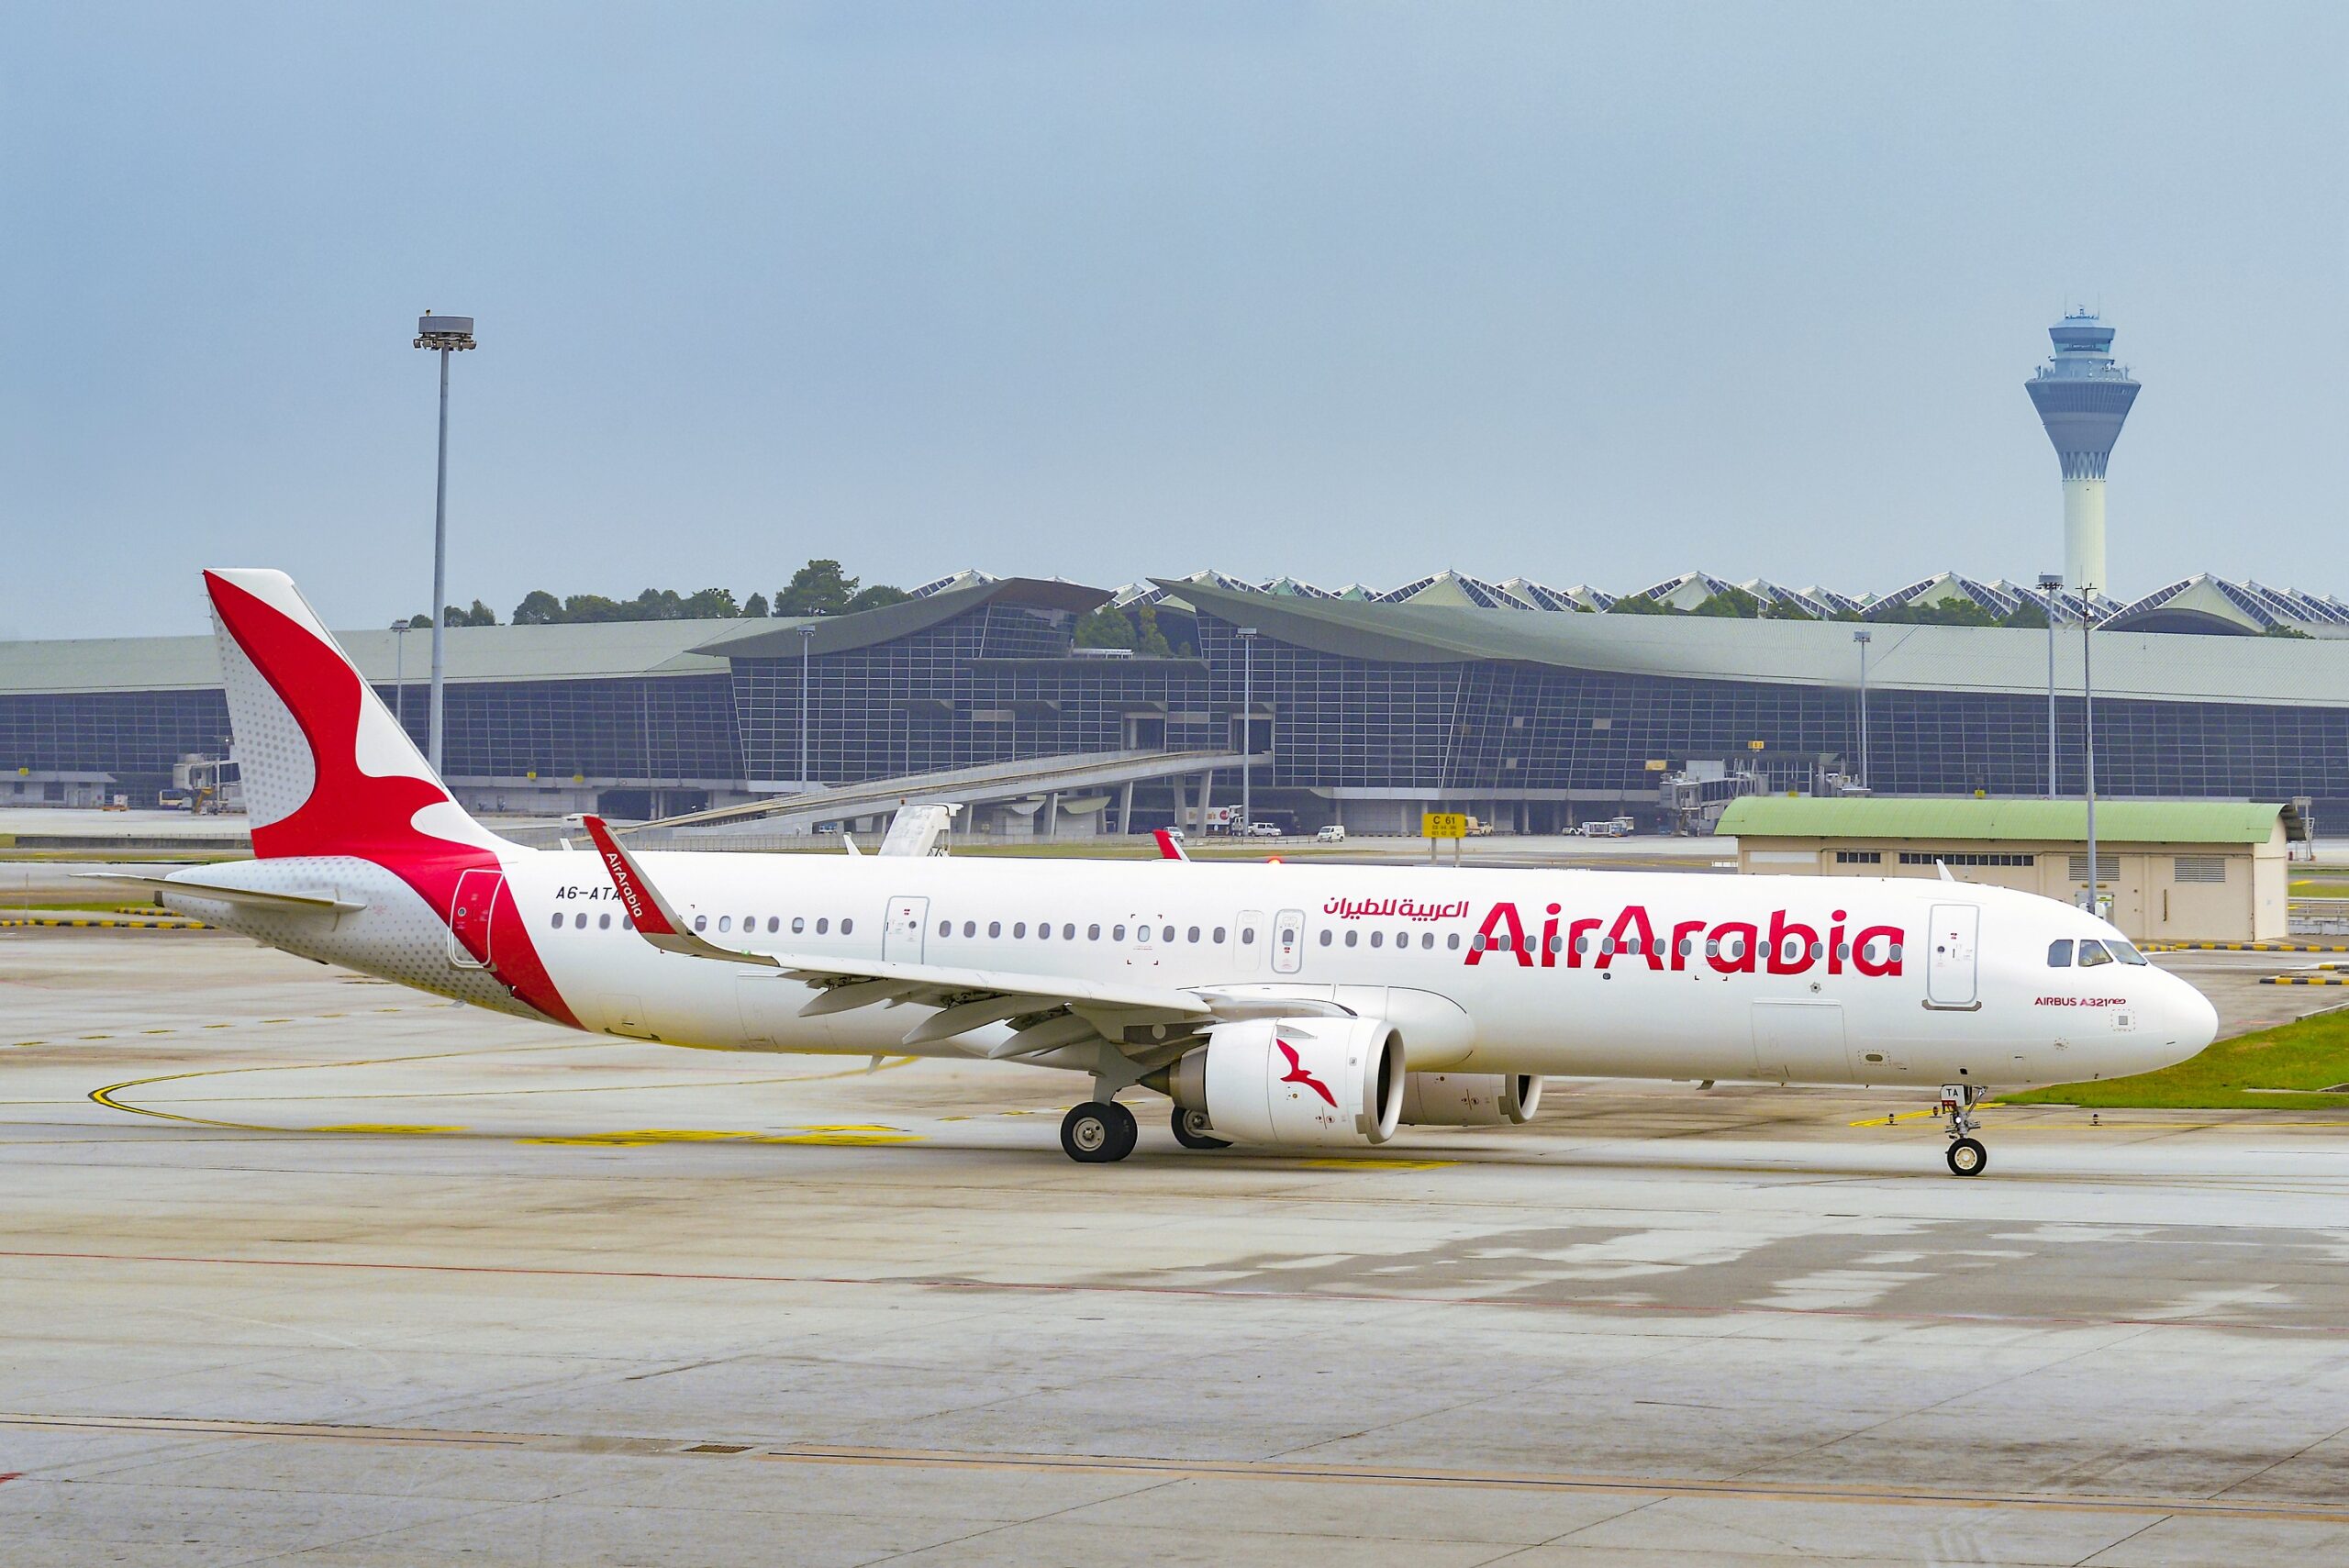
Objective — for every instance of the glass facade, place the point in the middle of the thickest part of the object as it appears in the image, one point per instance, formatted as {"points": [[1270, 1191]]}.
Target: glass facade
{"points": [[999, 680]]}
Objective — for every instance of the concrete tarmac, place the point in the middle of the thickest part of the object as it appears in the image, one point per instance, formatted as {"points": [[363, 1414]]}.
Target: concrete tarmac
{"points": [[300, 1268]]}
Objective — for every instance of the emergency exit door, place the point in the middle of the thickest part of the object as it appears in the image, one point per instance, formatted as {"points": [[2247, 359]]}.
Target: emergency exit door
{"points": [[1949, 955], [901, 940]]}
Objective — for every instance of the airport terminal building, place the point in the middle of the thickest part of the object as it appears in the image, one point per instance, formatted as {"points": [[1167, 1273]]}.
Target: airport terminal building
{"points": [[1364, 711]]}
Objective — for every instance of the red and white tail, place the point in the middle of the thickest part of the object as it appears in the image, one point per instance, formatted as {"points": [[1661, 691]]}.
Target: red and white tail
{"points": [[327, 769]]}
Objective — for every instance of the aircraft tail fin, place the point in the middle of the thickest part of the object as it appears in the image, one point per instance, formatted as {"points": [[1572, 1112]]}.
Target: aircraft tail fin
{"points": [[327, 770]]}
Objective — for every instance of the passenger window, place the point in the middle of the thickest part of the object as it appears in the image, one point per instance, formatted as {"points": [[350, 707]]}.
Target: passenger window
{"points": [[1068, 933], [701, 922], [1167, 935], [1557, 943], [995, 928], [603, 922], [1353, 937], [1426, 941], [773, 923], [824, 923], [2124, 953], [1219, 936], [1092, 933], [2059, 954], [1479, 942], [1327, 938], [970, 928], [1019, 929], [1193, 935], [1817, 951], [1043, 931], [725, 922], [799, 923], [1248, 936], [1378, 939], [945, 928], [627, 924], [1117, 933], [2092, 954], [1687, 946], [847, 924], [1452, 941], [558, 920]]}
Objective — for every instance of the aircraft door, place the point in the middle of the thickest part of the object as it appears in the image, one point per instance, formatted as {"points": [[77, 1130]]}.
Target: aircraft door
{"points": [[902, 937], [1949, 960], [1288, 941], [1250, 930], [469, 917]]}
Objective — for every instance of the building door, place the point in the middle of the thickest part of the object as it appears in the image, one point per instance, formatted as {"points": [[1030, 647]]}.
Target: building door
{"points": [[469, 917], [901, 939], [1250, 930], [1801, 1042], [1948, 959], [1288, 941]]}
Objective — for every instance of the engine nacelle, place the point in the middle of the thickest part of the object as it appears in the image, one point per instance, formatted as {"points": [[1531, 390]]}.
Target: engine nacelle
{"points": [[1330, 1082], [1470, 1099]]}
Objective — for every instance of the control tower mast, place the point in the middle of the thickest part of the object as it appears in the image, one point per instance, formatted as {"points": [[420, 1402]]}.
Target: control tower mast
{"points": [[2082, 398]]}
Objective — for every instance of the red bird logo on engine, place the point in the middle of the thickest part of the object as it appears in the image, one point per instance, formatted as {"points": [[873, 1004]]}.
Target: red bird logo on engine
{"points": [[1297, 1075]]}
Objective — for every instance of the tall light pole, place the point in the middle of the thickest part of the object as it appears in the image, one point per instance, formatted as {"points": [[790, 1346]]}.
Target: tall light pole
{"points": [[2051, 584], [1247, 725], [1864, 638], [399, 672], [445, 335], [2088, 715], [807, 653]]}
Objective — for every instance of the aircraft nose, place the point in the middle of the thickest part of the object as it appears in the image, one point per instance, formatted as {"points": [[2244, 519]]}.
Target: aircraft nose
{"points": [[2188, 1015]]}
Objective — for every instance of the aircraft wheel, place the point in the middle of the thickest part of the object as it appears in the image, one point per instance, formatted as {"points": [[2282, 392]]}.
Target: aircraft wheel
{"points": [[1098, 1132], [1191, 1130], [1968, 1158]]}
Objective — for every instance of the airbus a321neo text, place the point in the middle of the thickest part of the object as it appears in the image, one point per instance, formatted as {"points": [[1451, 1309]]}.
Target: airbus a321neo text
{"points": [[1287, 1006]]}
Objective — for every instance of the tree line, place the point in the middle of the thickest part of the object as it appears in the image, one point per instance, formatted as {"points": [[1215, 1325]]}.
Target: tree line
{"points": [[819, 588], [1736, 603]]}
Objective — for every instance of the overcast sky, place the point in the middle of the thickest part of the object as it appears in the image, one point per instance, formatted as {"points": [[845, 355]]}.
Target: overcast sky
{"points": [[1592, 294]]}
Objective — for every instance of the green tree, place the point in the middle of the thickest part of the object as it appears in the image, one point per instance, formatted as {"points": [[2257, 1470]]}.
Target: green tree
{"points": [[419, 623], [876, 596], [2026, 616], [819, 588], [1104, 628], [1150, 641], [1640, 604], [479, 614], [1948, 612], [539, 607], [756, 607], [2280, 629], [1786, 609], [711, 604], [590, 607], [1731, 602]]}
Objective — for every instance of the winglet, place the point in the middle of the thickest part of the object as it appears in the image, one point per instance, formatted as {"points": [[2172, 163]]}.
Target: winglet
{"points": [[654, 920], [1170, 847]]}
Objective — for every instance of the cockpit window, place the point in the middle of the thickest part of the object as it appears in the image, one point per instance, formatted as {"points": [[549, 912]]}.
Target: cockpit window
{"points": [[2092, 954], [2123, 951], [2059, 954]]}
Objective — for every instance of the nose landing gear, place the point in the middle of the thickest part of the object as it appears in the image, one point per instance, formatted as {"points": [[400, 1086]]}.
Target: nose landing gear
{"points": [[1966, 1156]]}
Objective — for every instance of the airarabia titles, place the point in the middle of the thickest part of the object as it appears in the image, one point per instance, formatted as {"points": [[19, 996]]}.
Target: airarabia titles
{"points": [[1782, 946]]}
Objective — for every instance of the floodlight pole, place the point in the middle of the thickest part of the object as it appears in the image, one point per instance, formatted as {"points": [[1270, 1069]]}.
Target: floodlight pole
{"points": [[1864, 638], [1247, 725], [444, 335], [2050, 585], [807, 655], [2088, 715]]}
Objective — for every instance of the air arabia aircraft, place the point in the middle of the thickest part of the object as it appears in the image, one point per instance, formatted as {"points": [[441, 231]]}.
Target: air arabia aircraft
{"points": [[1294, 1005]]}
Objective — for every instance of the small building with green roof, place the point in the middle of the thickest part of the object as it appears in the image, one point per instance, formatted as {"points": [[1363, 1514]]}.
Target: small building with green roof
{"points": [[2173, 870]]}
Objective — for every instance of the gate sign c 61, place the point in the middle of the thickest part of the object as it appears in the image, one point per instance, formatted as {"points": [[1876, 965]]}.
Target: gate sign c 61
{"points": [[1443, 825]]}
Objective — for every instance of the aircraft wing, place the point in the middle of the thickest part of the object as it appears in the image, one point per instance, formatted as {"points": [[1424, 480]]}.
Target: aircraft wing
{"points": [[967, 998]]}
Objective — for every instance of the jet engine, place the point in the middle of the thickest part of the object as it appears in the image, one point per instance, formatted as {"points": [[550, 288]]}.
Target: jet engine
{"points": [[1322, 1083], [1470, 1099]]}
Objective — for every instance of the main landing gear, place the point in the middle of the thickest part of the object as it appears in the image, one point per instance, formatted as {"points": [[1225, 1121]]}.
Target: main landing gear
{"points": [[1966, 1156], [1098, 1132], [1193, 1131]]}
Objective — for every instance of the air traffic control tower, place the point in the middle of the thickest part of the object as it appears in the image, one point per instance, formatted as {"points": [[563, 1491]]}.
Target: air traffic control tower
{"points": [[2082, 398]]}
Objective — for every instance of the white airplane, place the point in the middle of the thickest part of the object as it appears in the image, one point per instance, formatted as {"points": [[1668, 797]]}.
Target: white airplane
{"points": [[1294, 1005]]}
